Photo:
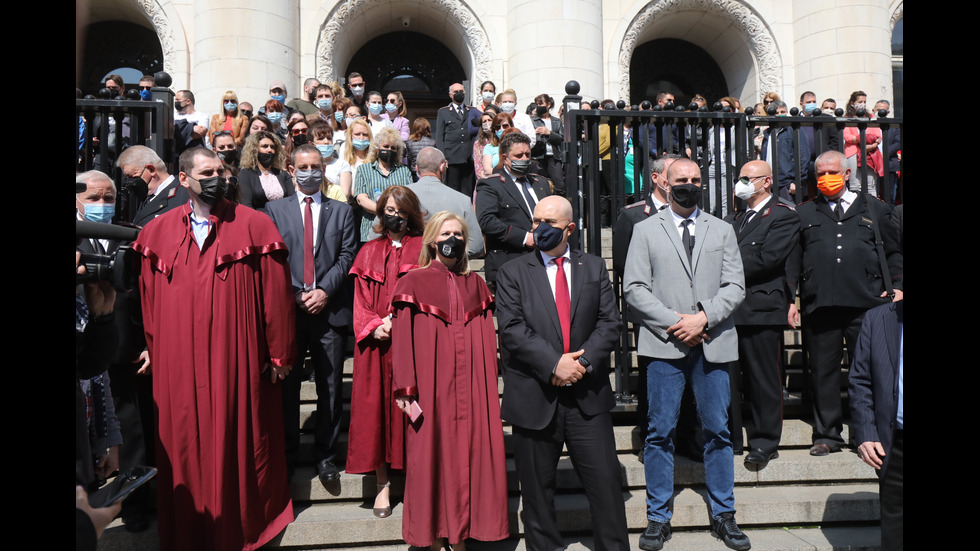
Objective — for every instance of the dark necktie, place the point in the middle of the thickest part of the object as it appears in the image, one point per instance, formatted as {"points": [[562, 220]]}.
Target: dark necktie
{"points": [[563, 302], [687, 239], [745, 220], [531, 202], [839, 210], [308, 274]]}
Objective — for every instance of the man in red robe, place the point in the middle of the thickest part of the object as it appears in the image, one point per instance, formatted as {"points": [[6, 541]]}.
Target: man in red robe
{"points": [[219, 319]]}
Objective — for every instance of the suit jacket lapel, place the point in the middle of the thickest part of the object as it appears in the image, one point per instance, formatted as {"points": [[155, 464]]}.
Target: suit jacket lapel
{"points": [[893, 336], [756, 220], [321, 227], [667, 223], [701, 228], [577, 282], [539, 277], [511, 188]]}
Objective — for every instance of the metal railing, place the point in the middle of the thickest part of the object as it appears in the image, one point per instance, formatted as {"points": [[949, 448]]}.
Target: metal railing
{"points": [[131, 121], [720, 142]]}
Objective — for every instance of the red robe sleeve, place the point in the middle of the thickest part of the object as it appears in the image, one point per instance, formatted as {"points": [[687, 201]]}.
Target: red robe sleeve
{"points": [[280, 309]]}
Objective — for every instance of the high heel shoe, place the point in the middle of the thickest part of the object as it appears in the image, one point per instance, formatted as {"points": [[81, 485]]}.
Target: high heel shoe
{"points": [[383, 512]]}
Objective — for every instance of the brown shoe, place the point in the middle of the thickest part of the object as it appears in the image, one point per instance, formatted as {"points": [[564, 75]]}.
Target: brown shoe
{"points": [[819, 450]]}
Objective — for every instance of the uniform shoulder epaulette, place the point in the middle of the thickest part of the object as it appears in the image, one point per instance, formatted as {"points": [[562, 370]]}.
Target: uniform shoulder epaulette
{"points": [[173, 191], [636, 204]]}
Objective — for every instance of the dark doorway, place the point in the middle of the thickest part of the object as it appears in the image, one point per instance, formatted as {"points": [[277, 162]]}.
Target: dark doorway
{"points": [[675, 66], [419, 66], [114, 47]]}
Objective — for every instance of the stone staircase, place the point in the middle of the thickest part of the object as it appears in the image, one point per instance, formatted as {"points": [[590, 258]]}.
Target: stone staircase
{"points": [[797, 502]]}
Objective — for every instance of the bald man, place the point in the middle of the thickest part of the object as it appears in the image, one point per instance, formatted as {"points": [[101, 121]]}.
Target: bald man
{"points": [[766, 231], [683, 280], [558, 324]]}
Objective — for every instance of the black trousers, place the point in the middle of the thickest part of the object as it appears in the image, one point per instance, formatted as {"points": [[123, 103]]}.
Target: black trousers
{"points": [[891, 490], [824, 332], [757, 376], [325, 343], [592, 448], [461, 177]]}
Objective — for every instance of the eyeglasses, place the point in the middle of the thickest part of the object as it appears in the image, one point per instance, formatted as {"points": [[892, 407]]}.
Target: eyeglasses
{"points": [[299, 131], [392, 100], [395, 212], [222, 133]]}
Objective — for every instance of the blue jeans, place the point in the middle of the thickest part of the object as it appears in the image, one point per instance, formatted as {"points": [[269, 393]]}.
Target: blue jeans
{"points": [[712, 391]]}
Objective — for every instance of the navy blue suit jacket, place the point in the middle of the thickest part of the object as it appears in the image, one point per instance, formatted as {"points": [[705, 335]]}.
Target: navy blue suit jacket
{"points": [[333, 255], [874, 376]]}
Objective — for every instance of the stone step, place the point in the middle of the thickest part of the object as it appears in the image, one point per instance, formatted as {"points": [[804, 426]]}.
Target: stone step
{"points": [[339, 524], [791, 467]]}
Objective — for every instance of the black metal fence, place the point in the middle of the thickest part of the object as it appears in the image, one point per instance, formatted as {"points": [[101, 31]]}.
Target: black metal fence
{"points": [[108, 126], [608, 156]]}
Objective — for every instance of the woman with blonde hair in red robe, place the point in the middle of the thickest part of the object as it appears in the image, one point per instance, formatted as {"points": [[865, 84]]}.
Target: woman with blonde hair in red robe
{"points": [[377, 428], [445, 380]]}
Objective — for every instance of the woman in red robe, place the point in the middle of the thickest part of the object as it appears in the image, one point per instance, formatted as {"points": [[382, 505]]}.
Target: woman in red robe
{"points": [[445, 376], [377, 428]]}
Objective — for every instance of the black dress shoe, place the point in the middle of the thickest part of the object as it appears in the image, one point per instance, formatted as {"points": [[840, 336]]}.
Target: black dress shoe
{"points": [[654, 536], [759, 456], [328, 471], [725, 529], [820, 450]]}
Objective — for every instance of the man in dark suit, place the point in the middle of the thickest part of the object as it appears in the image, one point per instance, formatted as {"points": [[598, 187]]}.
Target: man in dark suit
{"points": [[878, 410], [767, 230], [558, 321], [847, 262], [683, 281], [456, 126], [153, 191], [320, 236], [505, 201]]}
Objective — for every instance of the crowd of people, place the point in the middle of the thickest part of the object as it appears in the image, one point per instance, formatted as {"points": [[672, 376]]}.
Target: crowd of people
{"points": [[288, 229]]}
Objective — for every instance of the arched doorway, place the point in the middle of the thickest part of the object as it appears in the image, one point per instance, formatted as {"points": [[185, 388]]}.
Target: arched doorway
{"points": [[674, 66], [121, 47], [422, 70]]}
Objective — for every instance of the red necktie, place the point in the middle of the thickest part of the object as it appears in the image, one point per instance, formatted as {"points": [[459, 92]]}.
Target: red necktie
{"points": [[563, 302], [308, 275]]}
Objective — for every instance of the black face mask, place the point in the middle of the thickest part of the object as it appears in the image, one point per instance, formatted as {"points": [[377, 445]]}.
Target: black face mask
{"points": [[547, 237], [685, 195], [300, 139], [458, 97], [452, 247], [229, 155], [387, 156], [265, 159], [136, 186], [541, 110], [395, 223], [213, 189], [520, 167]]}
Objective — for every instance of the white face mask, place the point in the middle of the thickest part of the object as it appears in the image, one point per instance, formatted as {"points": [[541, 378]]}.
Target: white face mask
{"points": [[487, 96], [745, 189], [507, 106]]}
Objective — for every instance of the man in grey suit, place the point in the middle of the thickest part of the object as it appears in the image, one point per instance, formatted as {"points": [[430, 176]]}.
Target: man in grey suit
{"points": [[683, 280], [435, 196]]}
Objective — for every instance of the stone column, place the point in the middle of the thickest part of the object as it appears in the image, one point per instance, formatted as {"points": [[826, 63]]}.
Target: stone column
{"points": [[243, 46], [550, 43]]}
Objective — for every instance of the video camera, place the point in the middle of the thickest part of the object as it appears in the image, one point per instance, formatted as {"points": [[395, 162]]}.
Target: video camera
{"points": [[118, 268]]}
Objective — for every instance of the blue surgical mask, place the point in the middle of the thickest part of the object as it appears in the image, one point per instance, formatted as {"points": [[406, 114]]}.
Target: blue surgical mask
{"points": [[361, 145], [146, 95], [281, 98], [339, 115], [99, 212], [349, 122], [811, 108], [375, 108], [499, 133], [325, 104], [275, 117], [391, 107], [325, 149], [230, 106]]}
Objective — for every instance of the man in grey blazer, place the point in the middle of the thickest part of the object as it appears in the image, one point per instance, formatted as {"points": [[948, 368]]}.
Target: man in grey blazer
{"points": [[683, 280], [435, 196]]}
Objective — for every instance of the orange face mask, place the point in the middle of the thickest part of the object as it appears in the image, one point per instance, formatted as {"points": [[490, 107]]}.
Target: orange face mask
{"points": [[830, 184]]}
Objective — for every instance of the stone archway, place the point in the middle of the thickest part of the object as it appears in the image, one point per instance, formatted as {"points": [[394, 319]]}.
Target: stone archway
{"points": [[755, 34], [334, 50], [165, 23]]}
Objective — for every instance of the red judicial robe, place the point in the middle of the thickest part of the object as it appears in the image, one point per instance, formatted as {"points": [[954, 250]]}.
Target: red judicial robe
{"points": [[377, 426], [445, 351], [213, 318]]}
